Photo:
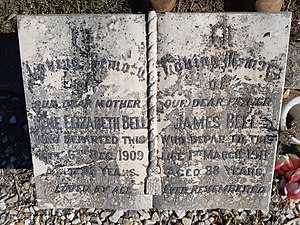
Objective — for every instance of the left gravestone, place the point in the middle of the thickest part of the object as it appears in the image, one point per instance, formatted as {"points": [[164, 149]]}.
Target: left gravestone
{"points": [[85, 87]]}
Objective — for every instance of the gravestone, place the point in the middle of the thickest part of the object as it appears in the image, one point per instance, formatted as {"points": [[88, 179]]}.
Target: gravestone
{"points": [[85, 87], [171, 111], [220, 83]]}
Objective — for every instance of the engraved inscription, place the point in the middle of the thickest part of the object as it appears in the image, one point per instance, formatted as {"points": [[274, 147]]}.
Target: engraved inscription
{"points": [[219, 94], [85, 83], [221, 35]]}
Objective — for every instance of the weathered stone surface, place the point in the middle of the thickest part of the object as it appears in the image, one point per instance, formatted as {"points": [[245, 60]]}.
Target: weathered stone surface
{"points": [[218, 101], [85, 87], [292, 79], [219, 96]]}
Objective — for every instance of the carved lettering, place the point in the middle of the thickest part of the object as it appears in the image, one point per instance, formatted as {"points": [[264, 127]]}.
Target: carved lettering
{"points": [[194, 123], [90, 139], [215, 102], [222, 188], [245, 171], [228, 60], [72, 188]]}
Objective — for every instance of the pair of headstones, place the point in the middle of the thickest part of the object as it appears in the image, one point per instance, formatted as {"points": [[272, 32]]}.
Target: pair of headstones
{"points": [[172, 111]]}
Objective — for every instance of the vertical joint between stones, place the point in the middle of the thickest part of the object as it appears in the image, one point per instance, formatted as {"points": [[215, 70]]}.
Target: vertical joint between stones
{"points": [[153, 180]]}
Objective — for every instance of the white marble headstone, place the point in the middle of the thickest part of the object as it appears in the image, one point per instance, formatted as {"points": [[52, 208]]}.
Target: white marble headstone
{"points": [[221, 78], [85, 84]]}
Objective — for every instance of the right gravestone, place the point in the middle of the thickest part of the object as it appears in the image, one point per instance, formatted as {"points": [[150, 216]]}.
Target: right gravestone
{"points": [[220, 83]]}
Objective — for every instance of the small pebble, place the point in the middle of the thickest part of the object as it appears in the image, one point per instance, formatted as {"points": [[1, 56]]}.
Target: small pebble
{"points": [[76, 221], [252, 212], [13, 120], [32, 180], [155, 217], [37, 219], [127, 221], [150, 222], [274, 199], [290, 216], [243, 214], [286, 94], [71, 216], [13, 212], [12, 159], [180, 214], [12, 199], [292, 204], [144, 214], [211, 219], [26, 185], [186, 221], [282, 218], [266, 217], [116, 216], [165, 213], [207, 222], [31, 209], [2, 218], [2, 206], [90, 210], [105, 214]]}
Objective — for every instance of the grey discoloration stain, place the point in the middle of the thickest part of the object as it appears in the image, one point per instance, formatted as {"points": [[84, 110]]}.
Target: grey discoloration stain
{"points": [[220, 86], [85, 87]]}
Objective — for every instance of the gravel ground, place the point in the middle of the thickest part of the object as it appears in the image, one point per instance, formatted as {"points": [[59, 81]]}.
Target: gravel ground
{"points": [[18, 206]]}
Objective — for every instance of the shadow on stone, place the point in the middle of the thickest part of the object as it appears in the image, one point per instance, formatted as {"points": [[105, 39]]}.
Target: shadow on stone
{"points": [[14, 138], [10, 67]]}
